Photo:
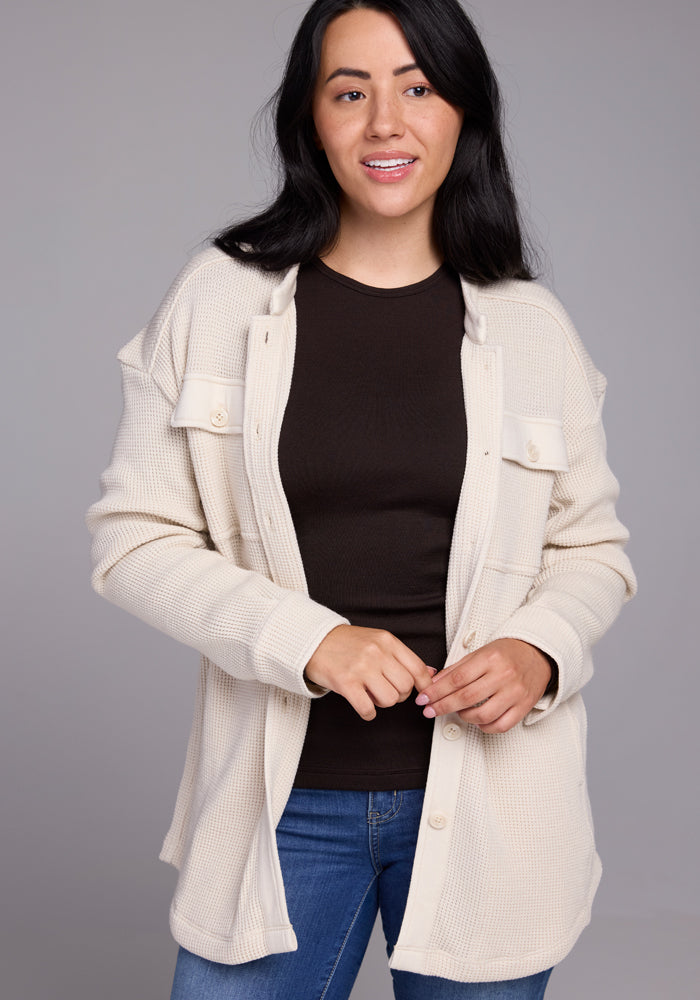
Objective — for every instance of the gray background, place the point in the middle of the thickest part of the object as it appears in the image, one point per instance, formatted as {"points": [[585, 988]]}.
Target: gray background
{"points": [[125, 143]]}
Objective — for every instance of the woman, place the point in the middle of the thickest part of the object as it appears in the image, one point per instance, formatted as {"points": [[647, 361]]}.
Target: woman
{"points": [[291, 493]]}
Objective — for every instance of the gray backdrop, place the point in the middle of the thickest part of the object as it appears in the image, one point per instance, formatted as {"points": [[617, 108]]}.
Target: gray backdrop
{"points": [[126, 142]]}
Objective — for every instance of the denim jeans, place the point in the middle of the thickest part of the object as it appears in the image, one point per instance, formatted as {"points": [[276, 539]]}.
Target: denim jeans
{"points": [[344, 855]]}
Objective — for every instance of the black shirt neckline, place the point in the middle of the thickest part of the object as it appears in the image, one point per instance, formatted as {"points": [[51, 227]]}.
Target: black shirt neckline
{"points": [[414, 289]]}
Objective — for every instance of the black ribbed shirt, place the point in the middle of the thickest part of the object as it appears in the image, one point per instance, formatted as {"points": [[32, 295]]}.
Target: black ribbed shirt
{"points": [[371, 454]]}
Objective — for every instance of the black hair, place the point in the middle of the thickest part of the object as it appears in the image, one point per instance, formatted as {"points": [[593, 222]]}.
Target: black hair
{"points": [[475, 220]]}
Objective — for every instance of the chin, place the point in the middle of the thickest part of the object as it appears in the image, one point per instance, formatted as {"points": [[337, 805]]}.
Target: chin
{"points": [[388, 209]]}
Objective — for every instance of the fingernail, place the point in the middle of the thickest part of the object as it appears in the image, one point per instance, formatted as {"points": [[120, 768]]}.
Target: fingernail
{"points": [[433, 670], [422, 699], [429, 712]]}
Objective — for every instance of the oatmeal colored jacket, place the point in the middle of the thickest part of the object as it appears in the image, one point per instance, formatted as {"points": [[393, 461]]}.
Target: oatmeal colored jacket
{"points": [[193, 534]]}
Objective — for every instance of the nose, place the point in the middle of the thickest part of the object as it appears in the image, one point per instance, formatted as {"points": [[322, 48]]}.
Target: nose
{"points": [[385, 119]]}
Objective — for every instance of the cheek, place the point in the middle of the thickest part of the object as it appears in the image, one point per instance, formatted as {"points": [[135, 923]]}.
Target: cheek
{"points": [[448, 127], [448, 153], [321, 126], [453, 128], [335, 140], [440, 134]]}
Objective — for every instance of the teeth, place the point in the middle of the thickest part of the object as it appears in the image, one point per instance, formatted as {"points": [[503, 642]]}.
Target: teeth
{"points": [[387, 163]]}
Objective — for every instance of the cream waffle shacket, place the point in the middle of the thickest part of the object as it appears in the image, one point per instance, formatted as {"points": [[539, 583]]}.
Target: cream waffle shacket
{"points": [[193, 534]]}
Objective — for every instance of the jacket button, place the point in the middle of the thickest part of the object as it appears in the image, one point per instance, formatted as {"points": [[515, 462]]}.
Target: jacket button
{"points": [[438, 821], [451, 731], [468, 638], [533, 452], [219, 416]]}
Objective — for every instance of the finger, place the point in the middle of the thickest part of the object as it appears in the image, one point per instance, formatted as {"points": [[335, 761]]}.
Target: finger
{"points": [[401, 679], [488, 712], [421, 673], [382, 692], [456, 677], [461, 701], [451, 697], [472, 697], [356, 695], [504, 722]]}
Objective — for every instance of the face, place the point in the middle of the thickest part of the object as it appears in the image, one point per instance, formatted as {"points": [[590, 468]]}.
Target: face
{"points": [[389, 137]]}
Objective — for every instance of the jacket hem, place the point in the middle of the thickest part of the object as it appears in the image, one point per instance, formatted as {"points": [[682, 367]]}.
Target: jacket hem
{"points": [[435, 962], [233, 950]]}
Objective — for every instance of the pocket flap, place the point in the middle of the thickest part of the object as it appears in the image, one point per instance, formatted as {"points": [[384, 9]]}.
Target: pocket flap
{"points": [[535, 442], [211, 404]]}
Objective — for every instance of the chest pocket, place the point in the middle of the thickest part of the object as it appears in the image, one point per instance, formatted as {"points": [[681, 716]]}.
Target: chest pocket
{"points": [[210, 404], [211, 410], [534, 442], [533, 451]]}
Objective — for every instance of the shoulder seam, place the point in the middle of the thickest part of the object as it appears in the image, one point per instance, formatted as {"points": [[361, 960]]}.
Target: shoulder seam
{"points": [[151, 377], [560, 324], [176, 298]]}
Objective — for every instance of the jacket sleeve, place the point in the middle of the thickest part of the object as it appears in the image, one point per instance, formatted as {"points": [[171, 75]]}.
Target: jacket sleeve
{"points": [[585, 576], [153, 555]]}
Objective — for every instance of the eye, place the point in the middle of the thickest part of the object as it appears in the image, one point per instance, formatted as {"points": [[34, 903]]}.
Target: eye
{"points": [[420, 90], [350, 96]]}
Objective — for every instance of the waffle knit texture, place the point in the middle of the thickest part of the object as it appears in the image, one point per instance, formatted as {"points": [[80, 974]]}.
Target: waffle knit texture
{"points": [[193, 534]]}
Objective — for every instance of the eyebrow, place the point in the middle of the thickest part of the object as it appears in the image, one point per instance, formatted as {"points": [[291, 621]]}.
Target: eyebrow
{"points": [[362, 74]]}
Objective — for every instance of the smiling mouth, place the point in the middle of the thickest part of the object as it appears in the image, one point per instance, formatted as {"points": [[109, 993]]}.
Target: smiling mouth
{"points": [[394, 164]]}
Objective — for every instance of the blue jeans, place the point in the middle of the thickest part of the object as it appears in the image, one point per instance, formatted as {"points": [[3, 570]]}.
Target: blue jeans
{"points": [[344, 855]]}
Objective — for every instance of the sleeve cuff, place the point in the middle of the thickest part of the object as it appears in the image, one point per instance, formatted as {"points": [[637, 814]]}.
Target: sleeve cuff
{"points": [[287, 640]]}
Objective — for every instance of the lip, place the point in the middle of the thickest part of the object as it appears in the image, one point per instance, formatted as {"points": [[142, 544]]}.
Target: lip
{"points": [[388, 174]]}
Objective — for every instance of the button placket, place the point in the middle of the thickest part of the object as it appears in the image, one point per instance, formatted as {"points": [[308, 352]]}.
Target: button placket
{"points": [[438, 821], [468, 638], [452, 731]]}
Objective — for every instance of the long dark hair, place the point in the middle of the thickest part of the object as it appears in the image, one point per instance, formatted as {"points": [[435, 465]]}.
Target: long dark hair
{"points": [[476, 222]]}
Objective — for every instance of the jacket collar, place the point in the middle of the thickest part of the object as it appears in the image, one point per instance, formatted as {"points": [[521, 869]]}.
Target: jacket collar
{"points": [[474, 321], [283, 293]]}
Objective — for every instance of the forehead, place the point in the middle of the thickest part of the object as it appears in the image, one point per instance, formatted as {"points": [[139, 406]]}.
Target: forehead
{"points": [[362, 37]]}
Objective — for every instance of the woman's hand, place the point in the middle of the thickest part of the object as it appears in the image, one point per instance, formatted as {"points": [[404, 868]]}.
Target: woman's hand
{"points": [[493, 688], [368, 667]]}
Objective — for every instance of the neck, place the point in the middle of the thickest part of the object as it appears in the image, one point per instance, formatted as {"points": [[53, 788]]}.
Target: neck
{"points": [[386, 253]]}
